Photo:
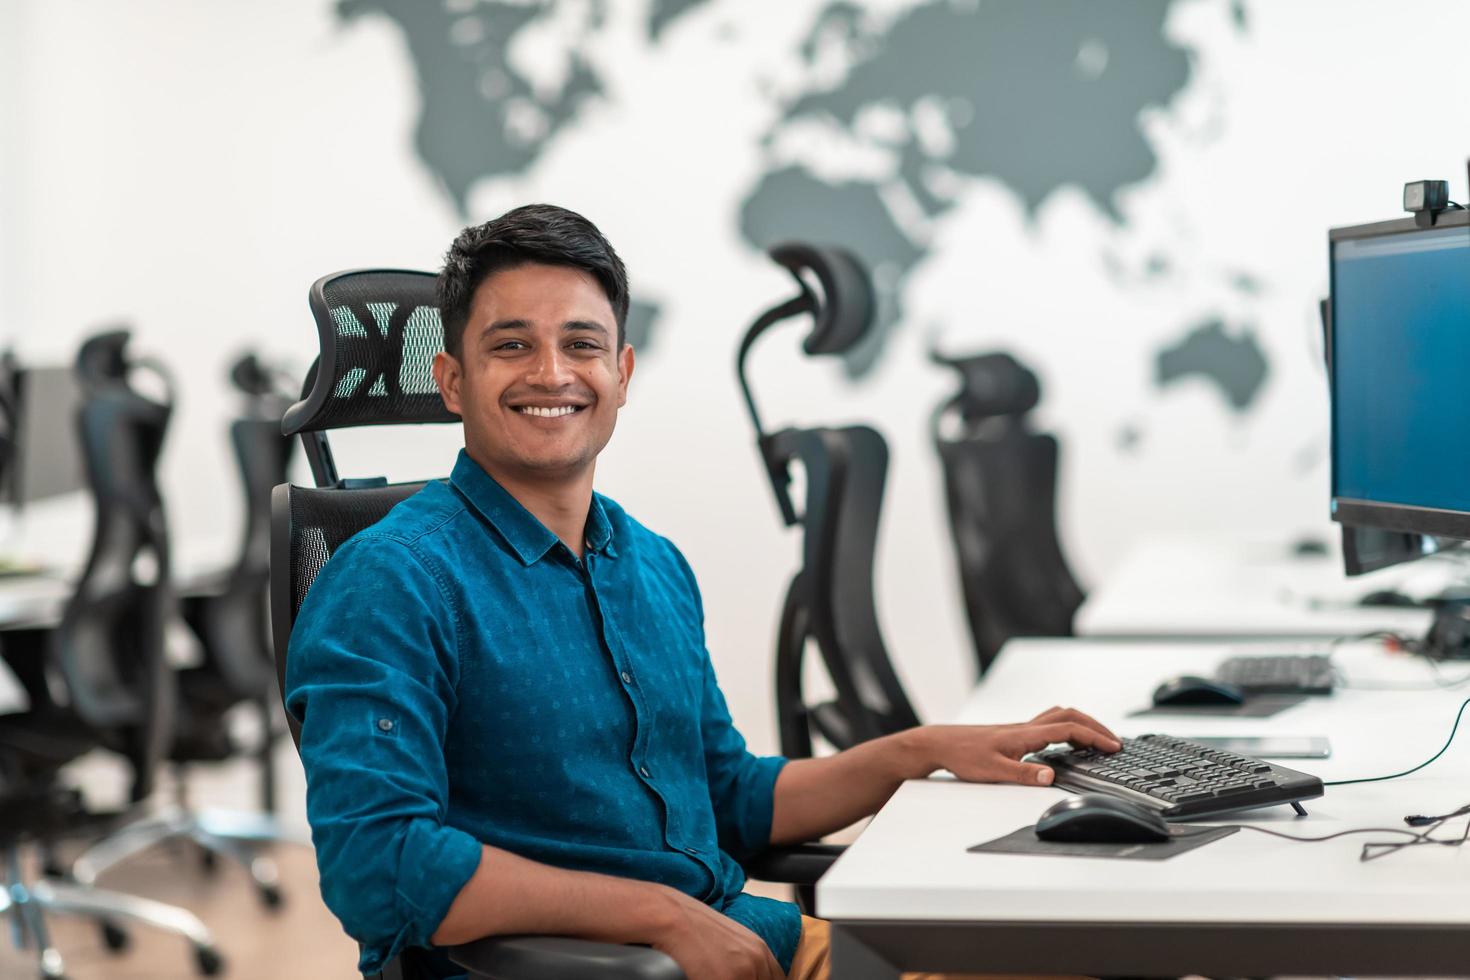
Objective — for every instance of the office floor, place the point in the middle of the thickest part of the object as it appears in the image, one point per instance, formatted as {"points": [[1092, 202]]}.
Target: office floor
{"points": [[300, 940]]}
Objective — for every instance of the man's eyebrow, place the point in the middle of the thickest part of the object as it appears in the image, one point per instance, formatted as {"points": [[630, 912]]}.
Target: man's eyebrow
{"points": [[570, 325], [506, 325], [588, 325]]}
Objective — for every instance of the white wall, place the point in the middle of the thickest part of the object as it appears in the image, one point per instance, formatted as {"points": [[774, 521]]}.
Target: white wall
{"points": [[190, 168]]}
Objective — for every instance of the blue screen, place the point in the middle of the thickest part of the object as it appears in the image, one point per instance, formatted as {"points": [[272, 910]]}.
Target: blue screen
{"points": [[1401, 369]]}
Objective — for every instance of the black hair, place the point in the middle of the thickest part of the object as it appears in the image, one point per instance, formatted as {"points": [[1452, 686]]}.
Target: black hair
{"points": [[541, 233]]}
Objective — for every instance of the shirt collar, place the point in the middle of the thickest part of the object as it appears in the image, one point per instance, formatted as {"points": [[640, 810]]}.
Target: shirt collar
{"points": [[527, 536]]}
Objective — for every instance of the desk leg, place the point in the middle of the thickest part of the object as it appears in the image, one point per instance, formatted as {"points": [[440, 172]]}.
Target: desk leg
{"points": [[852, 960]]}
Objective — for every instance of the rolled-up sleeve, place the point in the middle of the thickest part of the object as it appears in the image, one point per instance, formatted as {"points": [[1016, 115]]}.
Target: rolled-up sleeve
{"points": [[371, 675]]}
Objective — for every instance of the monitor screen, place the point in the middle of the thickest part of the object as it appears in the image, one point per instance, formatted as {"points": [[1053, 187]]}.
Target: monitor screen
{"points": [[46, 456], [1399, 349]]}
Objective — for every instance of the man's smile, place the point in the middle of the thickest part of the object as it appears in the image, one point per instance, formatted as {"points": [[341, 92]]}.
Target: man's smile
{"points": [[549, 412]]}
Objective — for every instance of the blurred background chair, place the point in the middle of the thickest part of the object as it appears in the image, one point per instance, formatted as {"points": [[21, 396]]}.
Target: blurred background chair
{"points": [[100, 678], [830, 600], [379, 331], [229, 617], [1000, 481]]}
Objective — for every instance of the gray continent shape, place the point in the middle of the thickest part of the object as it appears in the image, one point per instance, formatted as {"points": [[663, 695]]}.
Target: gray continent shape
{"points": [[1021, 108], [469, 87], [1236, 365], [666, 12], [638, 329]]}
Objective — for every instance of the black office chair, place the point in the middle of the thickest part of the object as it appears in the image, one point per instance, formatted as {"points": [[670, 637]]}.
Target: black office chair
{"points": [[229, 619], [379, 332], [830, 601], [233, 622], [1000, 483], [116, 690]]}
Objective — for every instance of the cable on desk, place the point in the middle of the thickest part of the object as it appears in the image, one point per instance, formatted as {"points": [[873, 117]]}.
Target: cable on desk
{"points": [[1378, 779], [1372, 850], [1409, 645], [1376, 849]]}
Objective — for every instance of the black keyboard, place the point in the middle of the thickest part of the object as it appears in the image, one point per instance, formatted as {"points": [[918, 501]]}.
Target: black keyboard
{"points": [[1180, 778], [1282, 674]]}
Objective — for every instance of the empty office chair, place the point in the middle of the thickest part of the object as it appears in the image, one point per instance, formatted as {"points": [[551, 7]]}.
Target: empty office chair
{"points": [[229, 619], [115, 689], [830, 601], [379, 332], [1000, 482]]}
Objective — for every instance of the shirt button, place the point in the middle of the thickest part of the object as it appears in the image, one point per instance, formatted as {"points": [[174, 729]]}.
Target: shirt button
{"points": [[627, 677], [385, 724], [643, 771], [691, 850]]}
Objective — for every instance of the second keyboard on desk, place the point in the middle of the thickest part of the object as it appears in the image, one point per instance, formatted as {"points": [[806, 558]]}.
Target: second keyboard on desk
{"points": [[1279, 674], [1180, 778]]}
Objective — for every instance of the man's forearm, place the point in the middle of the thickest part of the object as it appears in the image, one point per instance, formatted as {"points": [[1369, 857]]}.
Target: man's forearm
{"points": [[512, 895], [814, 797]]}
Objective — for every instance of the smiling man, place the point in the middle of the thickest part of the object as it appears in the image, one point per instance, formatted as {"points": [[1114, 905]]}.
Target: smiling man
{"points": [[510, 722]]}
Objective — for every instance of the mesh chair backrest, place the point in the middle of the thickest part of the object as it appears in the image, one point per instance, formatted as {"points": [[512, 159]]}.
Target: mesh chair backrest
{"points": [[308, 526], [110, 647], [238, 645], [1000, 487], [379, 330], [846, 470]]}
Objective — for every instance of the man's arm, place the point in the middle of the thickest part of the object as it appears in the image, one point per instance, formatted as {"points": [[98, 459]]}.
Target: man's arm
{"points": [[512, 895], [814, 797]]}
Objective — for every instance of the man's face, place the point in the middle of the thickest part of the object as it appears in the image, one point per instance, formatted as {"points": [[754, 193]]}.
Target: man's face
{"points": [[540, 378]]}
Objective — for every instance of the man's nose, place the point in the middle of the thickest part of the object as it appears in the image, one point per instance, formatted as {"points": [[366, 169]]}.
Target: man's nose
{"points": [[550, 369]]}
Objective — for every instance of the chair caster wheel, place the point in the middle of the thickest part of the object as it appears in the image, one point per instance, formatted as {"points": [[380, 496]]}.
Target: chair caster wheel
{"points": [[271, 897], [51, 968], [115, 938], [208, 961]]}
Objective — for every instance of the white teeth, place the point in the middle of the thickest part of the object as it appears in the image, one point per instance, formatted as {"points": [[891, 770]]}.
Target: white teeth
{"points": [[548, 413]]}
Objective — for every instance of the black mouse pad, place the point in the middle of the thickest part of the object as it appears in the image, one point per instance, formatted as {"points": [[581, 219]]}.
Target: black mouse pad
{"points": [[1183, 838], [1260, 706]]}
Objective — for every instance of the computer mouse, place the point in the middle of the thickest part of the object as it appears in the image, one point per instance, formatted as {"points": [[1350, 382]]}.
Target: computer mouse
{"points": [[1189, 690], [1093, 818], [1309, 548], [1387, 597]]}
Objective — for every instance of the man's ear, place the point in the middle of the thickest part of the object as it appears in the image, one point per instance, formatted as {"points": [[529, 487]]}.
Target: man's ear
{"points": [[625, 373], [447, 375]]}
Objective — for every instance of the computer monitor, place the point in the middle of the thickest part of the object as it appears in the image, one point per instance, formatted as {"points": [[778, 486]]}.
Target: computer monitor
{"points": [[43, 457], [1398, 351]]}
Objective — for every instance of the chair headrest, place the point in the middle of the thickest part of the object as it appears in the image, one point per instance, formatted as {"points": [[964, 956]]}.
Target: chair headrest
{"points": [[379, 330], [103, 358], [993, 384], [106, 369], [844, 311]]}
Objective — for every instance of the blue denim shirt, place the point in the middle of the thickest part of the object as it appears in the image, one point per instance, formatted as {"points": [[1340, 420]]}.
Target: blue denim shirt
{"points": [[461, 678]]}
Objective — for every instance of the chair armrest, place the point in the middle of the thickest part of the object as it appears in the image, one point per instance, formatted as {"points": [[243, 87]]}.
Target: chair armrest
{"points": [[559, 958], [801, 864]]}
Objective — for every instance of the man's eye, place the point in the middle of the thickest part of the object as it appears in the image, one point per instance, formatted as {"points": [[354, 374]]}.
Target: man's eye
{"points": [[584, 345], [511, 345]]}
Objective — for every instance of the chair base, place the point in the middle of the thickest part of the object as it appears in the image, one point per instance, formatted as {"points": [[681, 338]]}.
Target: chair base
{"points": [[236, 836], [28, 906]]}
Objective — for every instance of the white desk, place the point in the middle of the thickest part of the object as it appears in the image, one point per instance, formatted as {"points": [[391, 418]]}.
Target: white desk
{"points": [[907, 896], [37, 602], [1214, 588]]}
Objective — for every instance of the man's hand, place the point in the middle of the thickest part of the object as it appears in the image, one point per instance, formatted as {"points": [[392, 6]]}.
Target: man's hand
{"points": [[711, 946], [815, 797], [992, 753]]}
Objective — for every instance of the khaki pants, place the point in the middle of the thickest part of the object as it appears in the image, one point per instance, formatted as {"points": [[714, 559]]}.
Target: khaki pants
{"points": [[814, 955]]}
